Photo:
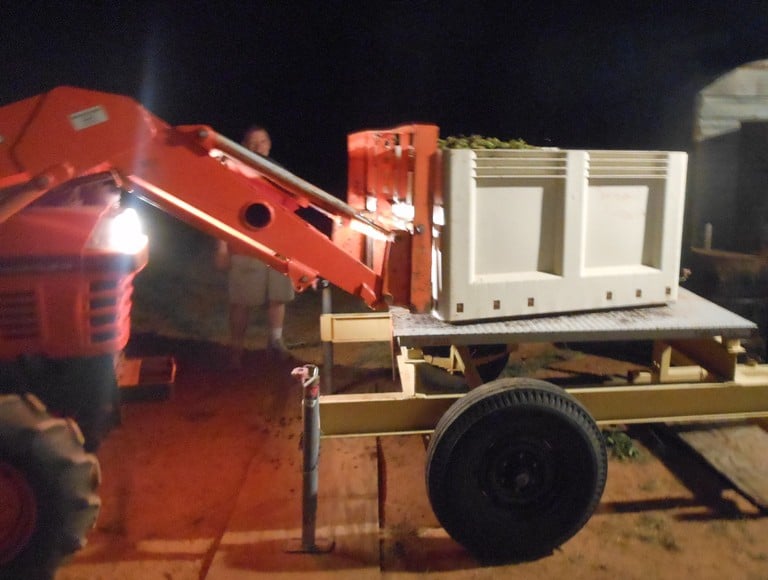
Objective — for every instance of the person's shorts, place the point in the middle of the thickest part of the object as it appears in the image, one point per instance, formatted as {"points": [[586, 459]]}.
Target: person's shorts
{"points": [[252, 283]]}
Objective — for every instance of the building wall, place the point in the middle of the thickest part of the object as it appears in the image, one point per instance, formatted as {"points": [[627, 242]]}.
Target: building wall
{"points": [[729, 161]]}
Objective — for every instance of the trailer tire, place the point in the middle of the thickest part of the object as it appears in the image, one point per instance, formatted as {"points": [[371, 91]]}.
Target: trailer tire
{"points": [[514, 469], [48, 486]]}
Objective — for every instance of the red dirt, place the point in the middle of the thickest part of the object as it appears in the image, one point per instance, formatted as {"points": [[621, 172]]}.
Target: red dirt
{"points": [[173, 472]]}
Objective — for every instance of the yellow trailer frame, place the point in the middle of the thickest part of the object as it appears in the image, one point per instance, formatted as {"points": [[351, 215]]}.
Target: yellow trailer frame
{"points": [[516, 466], [695, 373]]}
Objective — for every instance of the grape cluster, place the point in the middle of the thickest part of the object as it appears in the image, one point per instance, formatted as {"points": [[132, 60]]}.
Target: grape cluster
{"points": [[480, 142]]}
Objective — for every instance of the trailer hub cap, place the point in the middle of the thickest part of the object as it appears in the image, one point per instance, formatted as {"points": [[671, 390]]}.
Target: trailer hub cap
{"points": [[18, 512], [518, 473]]}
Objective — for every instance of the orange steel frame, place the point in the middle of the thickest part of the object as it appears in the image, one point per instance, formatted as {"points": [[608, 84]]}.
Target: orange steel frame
{"points": [[70, 132], [387, 168]]}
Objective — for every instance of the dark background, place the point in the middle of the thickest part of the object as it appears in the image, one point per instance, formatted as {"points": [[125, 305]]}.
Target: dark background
{"points": [[618, 74]]}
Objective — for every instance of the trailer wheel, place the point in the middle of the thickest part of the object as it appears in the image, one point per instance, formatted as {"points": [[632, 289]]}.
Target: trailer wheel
{"points": [[48, 483], [514, 469]]}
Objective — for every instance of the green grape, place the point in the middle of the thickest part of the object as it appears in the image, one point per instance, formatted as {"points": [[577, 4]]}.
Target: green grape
{"points": [[481, 142]]}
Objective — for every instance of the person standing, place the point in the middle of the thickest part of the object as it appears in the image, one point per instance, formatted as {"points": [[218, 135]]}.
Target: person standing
{"points": [[252, 283]]}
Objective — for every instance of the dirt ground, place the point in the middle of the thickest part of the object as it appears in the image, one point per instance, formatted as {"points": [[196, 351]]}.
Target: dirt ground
{"points": [[207, 484], [174, 471]]}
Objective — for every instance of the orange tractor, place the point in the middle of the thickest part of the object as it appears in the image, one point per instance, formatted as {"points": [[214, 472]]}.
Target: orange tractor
{"points": [[69, 253]]}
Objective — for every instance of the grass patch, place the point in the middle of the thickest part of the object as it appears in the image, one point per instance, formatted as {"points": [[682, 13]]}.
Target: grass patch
{"points": [[620, 445]]}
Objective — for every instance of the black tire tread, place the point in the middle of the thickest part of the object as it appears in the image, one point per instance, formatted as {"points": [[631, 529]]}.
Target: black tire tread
{"points": [[54, 446], [503, 394]]}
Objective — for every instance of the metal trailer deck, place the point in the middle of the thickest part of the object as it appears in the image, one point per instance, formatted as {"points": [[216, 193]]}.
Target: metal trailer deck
{"points": [[694, 371], [690, 317]]}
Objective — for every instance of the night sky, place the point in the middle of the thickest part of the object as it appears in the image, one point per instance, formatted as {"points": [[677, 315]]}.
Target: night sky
{"points": [[618, 74]]}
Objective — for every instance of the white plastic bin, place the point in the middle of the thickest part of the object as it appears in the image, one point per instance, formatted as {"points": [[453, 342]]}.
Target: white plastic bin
{"points": [[530, 232]]}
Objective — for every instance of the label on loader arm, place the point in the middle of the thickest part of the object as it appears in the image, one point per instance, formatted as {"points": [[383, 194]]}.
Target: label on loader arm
{"points": [[88, 118]]}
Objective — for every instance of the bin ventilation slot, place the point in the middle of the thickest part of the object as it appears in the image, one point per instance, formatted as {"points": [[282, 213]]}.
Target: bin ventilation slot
{"points": [[620, 165], [505, 164]]}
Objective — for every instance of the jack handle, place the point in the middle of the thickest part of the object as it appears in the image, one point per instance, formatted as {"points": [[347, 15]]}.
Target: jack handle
{"points": [[309, 377]]}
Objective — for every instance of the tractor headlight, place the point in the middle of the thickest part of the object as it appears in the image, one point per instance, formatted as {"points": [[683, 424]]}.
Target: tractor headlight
{"points": [[121, 232], [126, 233]]}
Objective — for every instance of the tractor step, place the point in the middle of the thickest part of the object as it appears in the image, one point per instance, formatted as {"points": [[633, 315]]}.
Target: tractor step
{"points": [[146, 379]]}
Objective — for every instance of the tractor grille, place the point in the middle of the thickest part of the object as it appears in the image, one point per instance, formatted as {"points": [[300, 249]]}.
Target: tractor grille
{"points": [[19, 316], [109, 306]]}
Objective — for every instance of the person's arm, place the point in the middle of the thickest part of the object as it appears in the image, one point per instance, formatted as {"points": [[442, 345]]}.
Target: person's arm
{"points": [[222, 258]]}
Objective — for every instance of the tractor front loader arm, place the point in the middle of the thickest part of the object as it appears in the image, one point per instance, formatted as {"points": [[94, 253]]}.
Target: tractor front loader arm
{"points": [[191, 172]]}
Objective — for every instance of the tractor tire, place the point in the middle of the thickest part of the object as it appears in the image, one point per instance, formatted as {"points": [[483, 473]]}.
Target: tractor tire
{"points": [[48, 483], [84, 388], [514, 469]]}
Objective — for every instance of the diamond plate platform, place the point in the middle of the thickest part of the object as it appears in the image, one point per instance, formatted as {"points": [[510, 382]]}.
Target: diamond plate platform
{"points": [[691, 316]]}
